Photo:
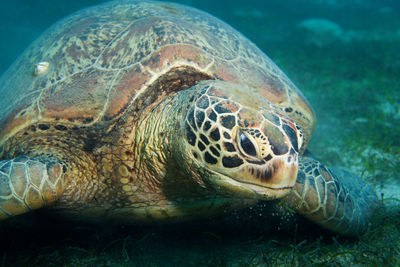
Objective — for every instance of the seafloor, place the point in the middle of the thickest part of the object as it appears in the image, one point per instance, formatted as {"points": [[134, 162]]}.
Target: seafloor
{"points": [[343, 54]]}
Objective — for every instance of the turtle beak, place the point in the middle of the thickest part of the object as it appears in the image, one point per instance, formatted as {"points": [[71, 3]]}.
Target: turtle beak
{"points": [[278, 174], [262, 183]]}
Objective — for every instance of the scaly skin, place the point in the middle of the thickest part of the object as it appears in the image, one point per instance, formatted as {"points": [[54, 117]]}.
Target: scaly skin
{"points": [[234, 133], [325, 197], [27, 184]]}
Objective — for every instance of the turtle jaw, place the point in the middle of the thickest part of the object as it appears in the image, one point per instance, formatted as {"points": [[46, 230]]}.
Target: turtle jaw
{"points": [[269, 181], [241, 188]]}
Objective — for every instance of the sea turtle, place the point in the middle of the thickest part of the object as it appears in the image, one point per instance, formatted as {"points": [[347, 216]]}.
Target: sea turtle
{"points": [[152, 111]]}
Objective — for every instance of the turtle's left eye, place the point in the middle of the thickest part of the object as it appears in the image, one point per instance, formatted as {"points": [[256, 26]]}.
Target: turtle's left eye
{"points": [[247, 145]]}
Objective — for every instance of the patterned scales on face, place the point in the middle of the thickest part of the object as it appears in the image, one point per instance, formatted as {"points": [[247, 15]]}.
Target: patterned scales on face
{"points": [[211, 131]]}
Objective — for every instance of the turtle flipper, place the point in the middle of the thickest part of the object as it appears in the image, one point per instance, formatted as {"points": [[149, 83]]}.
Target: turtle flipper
{"points": [[27, 184], [338, 201]]}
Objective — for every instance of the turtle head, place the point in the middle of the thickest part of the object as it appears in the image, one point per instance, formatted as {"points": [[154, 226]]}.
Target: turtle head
{"points": [[238, 142]]}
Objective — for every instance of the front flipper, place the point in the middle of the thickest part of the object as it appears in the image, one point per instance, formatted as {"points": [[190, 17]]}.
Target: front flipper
{"points": [[27, 184], [341, 203]]}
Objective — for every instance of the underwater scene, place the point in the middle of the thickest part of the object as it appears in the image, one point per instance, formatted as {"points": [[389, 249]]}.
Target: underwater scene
{"points": [[342, 55]]}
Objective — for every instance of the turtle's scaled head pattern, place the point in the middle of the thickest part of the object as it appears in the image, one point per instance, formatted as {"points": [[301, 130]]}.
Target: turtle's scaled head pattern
{"points": [[240, 141]]}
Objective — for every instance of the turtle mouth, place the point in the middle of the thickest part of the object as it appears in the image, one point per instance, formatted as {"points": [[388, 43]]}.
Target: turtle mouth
{"points": [[228, 184]]}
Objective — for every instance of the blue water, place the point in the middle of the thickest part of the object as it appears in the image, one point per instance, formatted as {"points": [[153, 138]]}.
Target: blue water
{"points": [[21, 21], [345, 57]]}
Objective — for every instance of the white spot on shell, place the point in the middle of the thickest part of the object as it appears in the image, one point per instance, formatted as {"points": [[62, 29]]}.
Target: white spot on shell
{"points": [[41, 67]]}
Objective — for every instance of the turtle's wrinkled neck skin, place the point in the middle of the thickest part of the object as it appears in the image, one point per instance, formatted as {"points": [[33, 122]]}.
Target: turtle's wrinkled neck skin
{"points": [[157, 151]]}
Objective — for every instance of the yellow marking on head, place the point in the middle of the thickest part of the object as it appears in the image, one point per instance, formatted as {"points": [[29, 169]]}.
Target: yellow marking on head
{"points": [[127, 188], [123, 170], [124, 180]]}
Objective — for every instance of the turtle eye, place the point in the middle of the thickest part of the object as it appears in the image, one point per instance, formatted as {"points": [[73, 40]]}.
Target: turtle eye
{"points": [[247, 146]]}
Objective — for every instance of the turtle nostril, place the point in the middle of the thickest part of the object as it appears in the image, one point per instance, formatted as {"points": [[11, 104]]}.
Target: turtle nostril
{"points": [[247, 145]]}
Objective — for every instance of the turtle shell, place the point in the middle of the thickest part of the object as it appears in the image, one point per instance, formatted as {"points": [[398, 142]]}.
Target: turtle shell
{"points": [[97, 64]]}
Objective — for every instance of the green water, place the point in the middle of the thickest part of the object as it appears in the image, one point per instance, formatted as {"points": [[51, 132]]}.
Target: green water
{"points": [[347, 63]]}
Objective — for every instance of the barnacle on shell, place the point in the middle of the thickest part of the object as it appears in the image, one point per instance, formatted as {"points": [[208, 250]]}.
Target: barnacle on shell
{"points": [[41, 68]]}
